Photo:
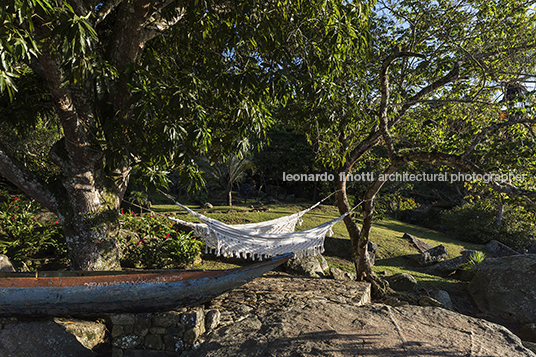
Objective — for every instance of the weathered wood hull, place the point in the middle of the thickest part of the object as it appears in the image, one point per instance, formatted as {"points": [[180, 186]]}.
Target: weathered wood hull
{"points": [[85, 293]]}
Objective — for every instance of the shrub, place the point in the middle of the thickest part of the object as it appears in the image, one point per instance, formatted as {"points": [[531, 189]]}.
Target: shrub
{"points": [[149, 241], [476, 223], [23, 237]]}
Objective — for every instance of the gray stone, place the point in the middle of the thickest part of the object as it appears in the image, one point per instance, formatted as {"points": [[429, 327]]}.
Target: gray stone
{"points": [[447, 267], [88, 333], [311, 266], [123, 319], [417, 243], [176, 331], [173, 343], [443, 297], [530, 345], [505, 287], [191, 335], [429, 301], [127, 342], [154, 342], [375, 330], [212, 319], [433, 255], [499, 250], [166, 319], [38, 339], [117, 352], [194, 319], [401, 282], [5, 264], [339, 274], [141, 328], [157, 330], [527, 332], [117, 330]]}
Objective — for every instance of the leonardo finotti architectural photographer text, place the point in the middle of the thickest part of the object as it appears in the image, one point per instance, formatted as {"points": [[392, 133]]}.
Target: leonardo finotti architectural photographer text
{"points": [[406, 177]]}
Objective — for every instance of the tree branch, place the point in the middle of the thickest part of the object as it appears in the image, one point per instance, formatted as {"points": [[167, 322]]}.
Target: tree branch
{"points": [[27, 181], [384, 84]]}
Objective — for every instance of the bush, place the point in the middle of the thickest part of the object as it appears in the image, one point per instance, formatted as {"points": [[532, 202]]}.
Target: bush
{"points": [[476, 223], [23, 237], [149, 241]]}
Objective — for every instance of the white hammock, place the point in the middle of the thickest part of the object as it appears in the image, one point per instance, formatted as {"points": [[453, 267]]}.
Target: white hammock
{"points": [[263, 239]]}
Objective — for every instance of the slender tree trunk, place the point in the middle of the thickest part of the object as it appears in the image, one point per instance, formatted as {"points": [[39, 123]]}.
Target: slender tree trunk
{"points": [[229, 197], [499, 217]]}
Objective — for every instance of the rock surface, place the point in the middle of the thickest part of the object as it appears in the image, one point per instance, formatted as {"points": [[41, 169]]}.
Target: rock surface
{"points": [[42, 338], [324, 328], [499, 250], [505, 287], [5, 264], [310, 266], [433, 255], [401, 282], [447, 267], [417, 243]]}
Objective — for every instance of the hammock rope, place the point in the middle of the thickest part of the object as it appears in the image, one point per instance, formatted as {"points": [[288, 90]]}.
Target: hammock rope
{"points": [[264, 239]]}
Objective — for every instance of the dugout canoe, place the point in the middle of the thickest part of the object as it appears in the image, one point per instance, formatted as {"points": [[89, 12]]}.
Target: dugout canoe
{"points": [[89, 293]]}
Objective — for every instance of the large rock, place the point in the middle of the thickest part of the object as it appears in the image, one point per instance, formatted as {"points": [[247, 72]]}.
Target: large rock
{"points": [[506, 288], [401, 282], [417, 243], [5, 264], [39, 339], [88, 333], [447, 267], [340, 330], [433, 255], [499, 250], [312, 266]]}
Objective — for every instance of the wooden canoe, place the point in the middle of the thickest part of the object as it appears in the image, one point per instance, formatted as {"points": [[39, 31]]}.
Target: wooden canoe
{"points": [[88, 293]]}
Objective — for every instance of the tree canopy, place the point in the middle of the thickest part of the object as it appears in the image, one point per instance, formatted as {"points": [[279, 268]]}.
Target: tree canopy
{"points": [[146, 83]]}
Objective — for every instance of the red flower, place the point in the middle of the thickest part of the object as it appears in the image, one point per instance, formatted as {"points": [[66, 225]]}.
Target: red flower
{"points": [[55, 223], [121, 211], [12, 217], [16, 199], [168, 235]]}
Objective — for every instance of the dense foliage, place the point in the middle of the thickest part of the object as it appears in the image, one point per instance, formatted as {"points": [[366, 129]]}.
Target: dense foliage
{"points": [[150, 241], [477, 223], [24, 239]]}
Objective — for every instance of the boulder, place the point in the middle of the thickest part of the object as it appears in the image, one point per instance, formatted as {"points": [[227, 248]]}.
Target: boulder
{"points": [[339, 274], [447, 267], [38, 339], [401, 282], [443, 297], [88, 333], [312, 266], [505, 288], [433, 255], [343, 330], [499, 250], [5, 264], [417, 243]]}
